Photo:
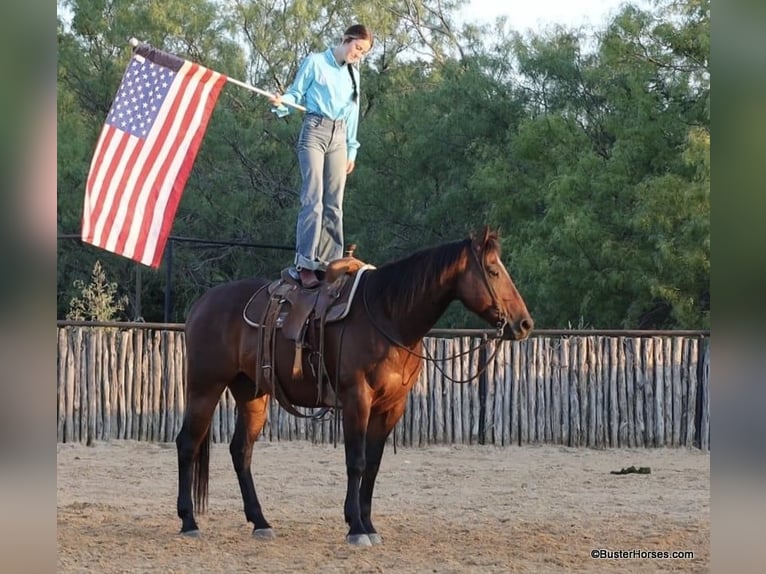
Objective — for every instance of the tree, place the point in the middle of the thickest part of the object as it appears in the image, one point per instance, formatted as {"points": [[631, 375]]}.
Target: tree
{"points": [[613, 189], [588, 149]]}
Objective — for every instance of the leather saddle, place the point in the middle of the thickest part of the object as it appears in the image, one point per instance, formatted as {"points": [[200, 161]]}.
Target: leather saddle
{"points": [[301, 314]]}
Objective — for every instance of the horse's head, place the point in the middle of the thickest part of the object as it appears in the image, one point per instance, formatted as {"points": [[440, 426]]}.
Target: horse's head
{"points": [[487, 289]]}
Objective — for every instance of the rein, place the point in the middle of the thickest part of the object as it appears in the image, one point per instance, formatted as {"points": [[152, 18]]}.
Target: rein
{"points": [[427, 357]]}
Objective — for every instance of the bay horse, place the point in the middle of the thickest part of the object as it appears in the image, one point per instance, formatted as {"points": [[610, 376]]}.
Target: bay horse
{"points": [[373, 356]]}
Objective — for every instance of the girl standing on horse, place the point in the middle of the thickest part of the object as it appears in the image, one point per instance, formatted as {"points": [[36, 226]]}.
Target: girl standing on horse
{"points": [[327, 84]]}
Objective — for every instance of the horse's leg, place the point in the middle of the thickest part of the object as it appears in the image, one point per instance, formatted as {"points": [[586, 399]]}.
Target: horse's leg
{"points": [[193, 446], [251, 417], [356, 414], [378, 429]]}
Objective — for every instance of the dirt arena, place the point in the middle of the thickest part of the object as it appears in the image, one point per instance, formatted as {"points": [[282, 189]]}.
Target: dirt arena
{"points": [[438, 509]]}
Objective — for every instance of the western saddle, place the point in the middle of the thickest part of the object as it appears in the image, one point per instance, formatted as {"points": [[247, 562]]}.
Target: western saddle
{"points": [[301, 315]]}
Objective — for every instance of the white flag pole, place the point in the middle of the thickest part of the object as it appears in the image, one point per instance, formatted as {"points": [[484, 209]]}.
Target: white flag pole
{"points": [[134, 42]]}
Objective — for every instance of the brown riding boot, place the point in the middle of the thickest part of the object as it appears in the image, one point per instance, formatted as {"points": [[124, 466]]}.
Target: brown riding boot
{"points": [[308, 278]]}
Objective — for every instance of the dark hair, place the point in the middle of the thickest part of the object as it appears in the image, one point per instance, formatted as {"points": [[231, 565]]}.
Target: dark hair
{"points": [[356, 32], [355, 97]]}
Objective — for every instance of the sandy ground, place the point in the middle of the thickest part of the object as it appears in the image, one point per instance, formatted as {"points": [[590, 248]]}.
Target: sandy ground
{"points": [[438, 509]]}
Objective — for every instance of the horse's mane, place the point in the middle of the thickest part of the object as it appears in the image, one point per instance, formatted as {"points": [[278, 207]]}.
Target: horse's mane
{"points": [[407, 281]]}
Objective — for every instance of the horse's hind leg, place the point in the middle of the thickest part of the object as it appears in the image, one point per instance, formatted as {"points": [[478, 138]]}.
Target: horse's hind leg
{"points": [[251, 416], [193, 446]]}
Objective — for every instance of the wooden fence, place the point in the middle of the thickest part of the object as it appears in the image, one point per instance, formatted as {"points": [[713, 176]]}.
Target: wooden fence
{"points": [[582, 391]]}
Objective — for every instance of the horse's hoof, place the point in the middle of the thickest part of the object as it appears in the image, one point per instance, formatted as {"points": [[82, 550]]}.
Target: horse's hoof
{"points": [[264, 534], [375, 538], [358, 540], [192, 534]]}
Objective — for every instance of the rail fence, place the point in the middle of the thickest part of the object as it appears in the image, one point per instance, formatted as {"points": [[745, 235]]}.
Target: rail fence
{"points": [[581, 391]]}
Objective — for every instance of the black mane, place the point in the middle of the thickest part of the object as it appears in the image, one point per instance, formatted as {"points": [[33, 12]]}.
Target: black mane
{"points": [[401, 284]]}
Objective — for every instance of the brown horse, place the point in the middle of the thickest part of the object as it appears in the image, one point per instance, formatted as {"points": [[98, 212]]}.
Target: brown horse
{"points": [[374, 356]]}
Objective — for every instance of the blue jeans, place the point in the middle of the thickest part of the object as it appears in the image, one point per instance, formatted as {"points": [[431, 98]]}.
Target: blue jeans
{"points": [[322, 157]]}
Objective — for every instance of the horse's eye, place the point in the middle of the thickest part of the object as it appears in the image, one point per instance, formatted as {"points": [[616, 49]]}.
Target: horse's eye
{"points": [[493, 272]]}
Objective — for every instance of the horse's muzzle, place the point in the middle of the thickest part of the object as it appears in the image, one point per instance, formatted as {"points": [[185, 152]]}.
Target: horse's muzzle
{"points": [[518, 330]]}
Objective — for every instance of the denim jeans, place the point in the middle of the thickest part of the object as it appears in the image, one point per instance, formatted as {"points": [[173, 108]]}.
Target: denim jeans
{"points": [[322, 158]]}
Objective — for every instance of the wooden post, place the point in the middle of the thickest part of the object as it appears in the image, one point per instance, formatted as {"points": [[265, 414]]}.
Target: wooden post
{"points": [[564, 367], [89, 404], [100, 387], [630, 395], [599, 375], [650, 405], [80, 377], [155, 381], [667, 379], [576, 391], [181, 384], [615, 382], [584, 389], [542, 399], [449, 404], [474, 367], [642, 432], [441, 413], [676, 389], [169, 388], [590, 363], [433, 395], [457, 393], [146, 386], [487, 381], [107, 361], [553, 372], [659, 393], [425, 420], [504, 400], [691, 407], [61, 384], [523, 394], [535, 396], [705, 422], [123, 398]]}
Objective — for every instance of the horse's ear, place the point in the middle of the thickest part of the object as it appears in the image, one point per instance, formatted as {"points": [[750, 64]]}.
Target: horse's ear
{"points": [[485, 235], [477, 244], [490, 240]]}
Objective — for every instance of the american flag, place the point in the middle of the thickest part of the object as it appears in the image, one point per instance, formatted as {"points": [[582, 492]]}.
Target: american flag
{"points": [[145, 153]]}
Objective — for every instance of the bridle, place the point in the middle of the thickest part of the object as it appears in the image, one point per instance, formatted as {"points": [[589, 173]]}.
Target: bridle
{"points": [[500, 326], [503, 320]]}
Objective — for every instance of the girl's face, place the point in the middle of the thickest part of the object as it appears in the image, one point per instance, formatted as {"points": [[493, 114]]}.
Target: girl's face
{"points": [[355, 50]]}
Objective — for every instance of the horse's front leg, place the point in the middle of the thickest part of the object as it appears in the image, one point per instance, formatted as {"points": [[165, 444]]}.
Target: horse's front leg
{"points": [[378, 429], [375, 446], [356, 414]]}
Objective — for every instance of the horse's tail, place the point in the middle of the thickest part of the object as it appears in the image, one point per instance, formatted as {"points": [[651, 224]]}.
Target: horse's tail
{"points": [[201, 474]]}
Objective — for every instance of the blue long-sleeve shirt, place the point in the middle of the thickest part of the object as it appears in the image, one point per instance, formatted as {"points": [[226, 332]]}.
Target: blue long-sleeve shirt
{"points": [[325, 87]]}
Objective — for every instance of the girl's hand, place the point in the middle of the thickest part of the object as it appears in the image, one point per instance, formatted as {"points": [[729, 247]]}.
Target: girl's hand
{"points": [[349, 166]]}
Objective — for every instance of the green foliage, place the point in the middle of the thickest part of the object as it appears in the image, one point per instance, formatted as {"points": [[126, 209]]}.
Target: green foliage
{"points": [[590, 150], [98, 300]]}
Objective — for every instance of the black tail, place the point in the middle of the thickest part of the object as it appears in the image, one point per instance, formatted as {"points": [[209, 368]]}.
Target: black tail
{"points": [[201, 474]]}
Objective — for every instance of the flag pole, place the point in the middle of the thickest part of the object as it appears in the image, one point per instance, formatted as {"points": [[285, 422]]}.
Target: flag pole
{"points": [[135, 42]]}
